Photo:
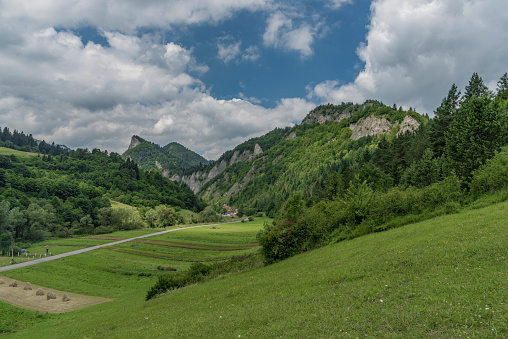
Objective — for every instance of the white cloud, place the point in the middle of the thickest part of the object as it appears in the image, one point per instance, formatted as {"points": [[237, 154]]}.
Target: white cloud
{"points": [[416, 49], [251, 53], [219, 125], [336, 4], [232, 52], [283, 31], [229, 52], [91, 95], [123, 15]]}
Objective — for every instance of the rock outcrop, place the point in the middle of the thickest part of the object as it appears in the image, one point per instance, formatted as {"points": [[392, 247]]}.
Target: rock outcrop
{"points": [[198, 179], [408, 124], [320, 118], [134, 142], [373, 125], [370, 125]]}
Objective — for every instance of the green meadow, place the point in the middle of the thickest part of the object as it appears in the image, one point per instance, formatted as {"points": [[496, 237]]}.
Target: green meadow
{"points": [[9, 151], [444, 277], [124, 270]]}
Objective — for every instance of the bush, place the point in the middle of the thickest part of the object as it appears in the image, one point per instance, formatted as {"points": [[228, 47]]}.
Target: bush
{"points": [[199, 272], [493, 176]]}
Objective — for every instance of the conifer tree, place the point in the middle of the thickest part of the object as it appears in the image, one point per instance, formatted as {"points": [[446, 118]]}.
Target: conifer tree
{"points": [[443, 117], [475, 88], [502, 87], [475, 134]]}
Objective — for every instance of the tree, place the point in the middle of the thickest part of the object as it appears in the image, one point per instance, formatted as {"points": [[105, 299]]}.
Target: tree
{"points": [[475, 88], [502, 87], [161, 216], [443, 117], [475, 134]]}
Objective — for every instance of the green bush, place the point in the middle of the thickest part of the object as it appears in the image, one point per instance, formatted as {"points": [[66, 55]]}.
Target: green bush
{"points": [[493, 176], [199, 272]]}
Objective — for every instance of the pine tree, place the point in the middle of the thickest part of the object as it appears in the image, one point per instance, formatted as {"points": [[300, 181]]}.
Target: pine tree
{"points": [[475, 88], [502, 87], [475, 134], [443, 117]]}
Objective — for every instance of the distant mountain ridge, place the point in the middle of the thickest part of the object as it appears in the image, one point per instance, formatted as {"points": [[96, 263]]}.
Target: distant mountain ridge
{"points": [[169, 159]]}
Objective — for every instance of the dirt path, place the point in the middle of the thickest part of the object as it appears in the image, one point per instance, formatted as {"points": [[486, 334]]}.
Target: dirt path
{"points": [[83, 250]]}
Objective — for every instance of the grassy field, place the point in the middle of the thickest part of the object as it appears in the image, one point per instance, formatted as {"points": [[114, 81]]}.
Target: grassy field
{"points": [[9, 151], [116, 274], [58, 246], [445, 277]]}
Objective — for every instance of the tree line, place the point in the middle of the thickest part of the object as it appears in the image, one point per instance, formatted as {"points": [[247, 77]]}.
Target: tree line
{"points": [[26, 143]]}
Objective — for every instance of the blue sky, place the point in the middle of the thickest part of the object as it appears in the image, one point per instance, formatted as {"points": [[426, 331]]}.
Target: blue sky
{"points": [[211, 74]]}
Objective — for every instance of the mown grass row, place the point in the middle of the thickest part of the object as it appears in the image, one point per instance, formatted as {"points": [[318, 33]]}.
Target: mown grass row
{"points": [[195, 246], [158, 255]]}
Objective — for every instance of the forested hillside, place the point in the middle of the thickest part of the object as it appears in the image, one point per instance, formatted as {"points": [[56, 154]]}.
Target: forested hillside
{"points": [[392, 180], [26, 143], [170, 159], [43, 195], [262, 173]]}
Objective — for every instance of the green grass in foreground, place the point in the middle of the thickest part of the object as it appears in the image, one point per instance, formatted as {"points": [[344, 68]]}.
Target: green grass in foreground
{"points": [[444, 277]]}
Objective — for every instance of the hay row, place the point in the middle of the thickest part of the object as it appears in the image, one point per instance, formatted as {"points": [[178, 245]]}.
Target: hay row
{"points": [[196, 246], [160, 255], [40, 292]]}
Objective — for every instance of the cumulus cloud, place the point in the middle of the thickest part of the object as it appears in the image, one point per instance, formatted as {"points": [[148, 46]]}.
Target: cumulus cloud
{"points": [[125, 16], [416, 49], [218, 125], [283, 31], [232, 52]]}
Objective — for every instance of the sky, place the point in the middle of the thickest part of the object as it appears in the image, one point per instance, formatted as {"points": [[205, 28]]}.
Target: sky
{"points": [[210, 74]]}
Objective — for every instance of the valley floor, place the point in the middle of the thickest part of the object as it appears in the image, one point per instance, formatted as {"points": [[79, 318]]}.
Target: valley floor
{"points": [[444, 277]]}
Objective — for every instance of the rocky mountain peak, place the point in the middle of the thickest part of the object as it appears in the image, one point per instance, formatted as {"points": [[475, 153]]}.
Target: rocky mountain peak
{"points": [[135, 141]]}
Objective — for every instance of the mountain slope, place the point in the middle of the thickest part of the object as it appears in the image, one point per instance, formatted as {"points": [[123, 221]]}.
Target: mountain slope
{"points": [[299, 159], [169, 159]]}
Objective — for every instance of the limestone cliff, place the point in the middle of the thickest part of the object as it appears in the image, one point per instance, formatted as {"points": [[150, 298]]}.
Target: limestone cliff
{"points": [[320, 118], [135, 141], [370, 125], [408, 124], [198, 179], [373, 125]]}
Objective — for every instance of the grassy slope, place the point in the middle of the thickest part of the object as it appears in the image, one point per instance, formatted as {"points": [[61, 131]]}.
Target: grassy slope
{"points": [[9, 151], [445, 277]]}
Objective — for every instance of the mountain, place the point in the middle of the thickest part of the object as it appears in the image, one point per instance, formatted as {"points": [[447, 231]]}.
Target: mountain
{"points": [[169, 159], [262, 173]]}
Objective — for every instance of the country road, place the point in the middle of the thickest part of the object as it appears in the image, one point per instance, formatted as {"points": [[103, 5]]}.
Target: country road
{"points": [[83, 250]]}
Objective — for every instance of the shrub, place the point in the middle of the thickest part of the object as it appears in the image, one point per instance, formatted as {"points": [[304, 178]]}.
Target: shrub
{"points": [[492, 176]]}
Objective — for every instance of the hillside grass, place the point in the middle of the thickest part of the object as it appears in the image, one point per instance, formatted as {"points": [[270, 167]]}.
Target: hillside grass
{"points": [[444, 277], [21, 154]]}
